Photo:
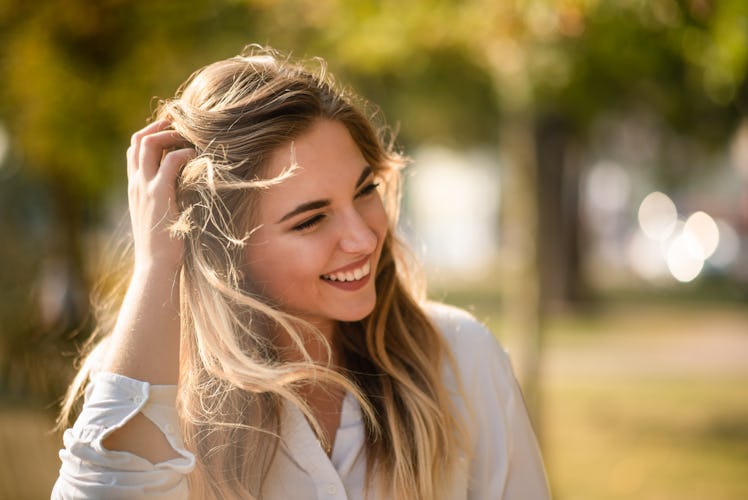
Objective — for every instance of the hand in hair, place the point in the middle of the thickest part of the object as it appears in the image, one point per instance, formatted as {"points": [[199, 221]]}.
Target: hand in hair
{"points": [[145, 341], [154, 158]]}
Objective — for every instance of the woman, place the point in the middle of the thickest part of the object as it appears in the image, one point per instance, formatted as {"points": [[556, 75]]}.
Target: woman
{"points": [[269, 287]]}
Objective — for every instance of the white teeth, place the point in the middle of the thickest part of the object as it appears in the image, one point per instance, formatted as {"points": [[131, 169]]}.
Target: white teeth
{"points": [[354, 275]]}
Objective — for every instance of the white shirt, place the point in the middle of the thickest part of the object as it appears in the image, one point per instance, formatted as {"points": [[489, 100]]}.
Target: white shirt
{"points": [[504, 459]]}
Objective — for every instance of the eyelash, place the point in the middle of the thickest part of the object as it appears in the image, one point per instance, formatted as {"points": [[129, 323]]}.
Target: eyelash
{"points": [[316, 219], [310, 222], [369, 188]]}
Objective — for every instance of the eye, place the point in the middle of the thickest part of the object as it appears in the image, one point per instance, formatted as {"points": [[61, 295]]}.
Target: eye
{"points": [[309, 223], [368, 189]]}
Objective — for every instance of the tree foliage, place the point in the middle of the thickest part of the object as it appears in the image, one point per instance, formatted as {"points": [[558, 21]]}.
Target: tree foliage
{"points": [[80, 76]]}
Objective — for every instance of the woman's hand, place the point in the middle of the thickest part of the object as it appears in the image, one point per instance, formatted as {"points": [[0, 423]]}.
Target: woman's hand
{"points": [[154, 159], [145, 340]]}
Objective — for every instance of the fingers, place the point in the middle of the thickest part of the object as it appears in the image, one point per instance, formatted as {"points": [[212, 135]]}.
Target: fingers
{"points": [[173, 161], [152, 149], [150, 146], [133, 152]]}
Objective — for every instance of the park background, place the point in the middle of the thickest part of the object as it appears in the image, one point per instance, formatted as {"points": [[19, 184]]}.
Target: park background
{"points": [[580, 183]]}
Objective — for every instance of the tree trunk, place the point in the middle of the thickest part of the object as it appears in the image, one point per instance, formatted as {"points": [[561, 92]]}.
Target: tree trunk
{"points": [[558, 215], [522, 280]]}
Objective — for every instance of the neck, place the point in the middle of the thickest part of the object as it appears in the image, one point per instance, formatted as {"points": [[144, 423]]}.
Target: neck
{"points": [[316, 344]]}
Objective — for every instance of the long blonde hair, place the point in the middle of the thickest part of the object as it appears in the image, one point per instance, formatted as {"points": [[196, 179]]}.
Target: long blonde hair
{"points": [[232, 381]]}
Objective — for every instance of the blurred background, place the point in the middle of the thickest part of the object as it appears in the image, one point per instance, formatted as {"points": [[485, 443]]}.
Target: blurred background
{"points": [[580, 183]]}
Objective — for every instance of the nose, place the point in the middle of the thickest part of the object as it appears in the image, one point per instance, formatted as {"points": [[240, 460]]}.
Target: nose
{"points": [[357, 237]]}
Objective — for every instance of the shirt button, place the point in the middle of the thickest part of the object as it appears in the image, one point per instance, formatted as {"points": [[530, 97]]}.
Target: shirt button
{"points": [[138, 399], [332, 489]]}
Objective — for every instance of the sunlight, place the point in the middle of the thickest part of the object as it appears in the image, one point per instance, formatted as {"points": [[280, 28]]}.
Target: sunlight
{"points": [[704, 232], [682, 257], [657, 216], [665, 243]]}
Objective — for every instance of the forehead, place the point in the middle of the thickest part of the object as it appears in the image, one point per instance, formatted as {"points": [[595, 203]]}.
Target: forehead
{"points": [[326, 144], [326, 160]]}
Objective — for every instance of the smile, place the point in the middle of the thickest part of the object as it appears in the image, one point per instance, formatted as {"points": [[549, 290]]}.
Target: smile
{"points": [[350, 275]]}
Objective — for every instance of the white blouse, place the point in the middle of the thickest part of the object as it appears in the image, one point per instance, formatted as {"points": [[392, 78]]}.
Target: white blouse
{"points": [[504, 461]]}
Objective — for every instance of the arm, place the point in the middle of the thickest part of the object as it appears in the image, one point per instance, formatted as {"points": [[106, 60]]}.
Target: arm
{"points": [[505, 461], [144, 344], [526, 477], [126, 441], [91, 471]]}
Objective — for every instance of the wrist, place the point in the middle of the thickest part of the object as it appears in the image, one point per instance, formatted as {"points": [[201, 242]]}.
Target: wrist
{"points": [[154, 266], [152, 277]]}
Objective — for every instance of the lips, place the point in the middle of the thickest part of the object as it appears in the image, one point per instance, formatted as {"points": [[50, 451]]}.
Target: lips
{"points": [[356, 273]]}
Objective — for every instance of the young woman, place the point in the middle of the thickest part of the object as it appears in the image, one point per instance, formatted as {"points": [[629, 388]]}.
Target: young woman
{"points": [[272, 342]]}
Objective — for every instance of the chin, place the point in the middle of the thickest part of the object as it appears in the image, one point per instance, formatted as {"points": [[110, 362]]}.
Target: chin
{"points": [[358, 314]]}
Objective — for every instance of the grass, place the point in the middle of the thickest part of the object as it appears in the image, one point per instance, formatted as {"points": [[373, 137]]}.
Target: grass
{"points": [[647, 439], [640, 401], [644, 400], [29, 454]]}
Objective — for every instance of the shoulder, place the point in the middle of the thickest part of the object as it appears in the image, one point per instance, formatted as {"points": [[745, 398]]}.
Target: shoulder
{"points": [[473, 346], [459, 328], [478, 373]]}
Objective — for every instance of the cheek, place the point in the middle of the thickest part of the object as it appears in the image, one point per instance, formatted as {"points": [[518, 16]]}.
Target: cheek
{"points": [[263, 267], [278, 269], [376, 218]]}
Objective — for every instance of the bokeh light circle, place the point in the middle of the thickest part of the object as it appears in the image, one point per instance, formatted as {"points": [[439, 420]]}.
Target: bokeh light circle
{"points": [[657, 216], [702, 228], [680, 258]]}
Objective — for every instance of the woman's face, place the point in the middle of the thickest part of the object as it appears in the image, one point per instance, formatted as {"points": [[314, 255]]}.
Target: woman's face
{"points": [[320, 231]]}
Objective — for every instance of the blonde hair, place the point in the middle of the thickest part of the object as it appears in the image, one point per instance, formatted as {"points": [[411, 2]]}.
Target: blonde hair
{"points": [[232, 380]]}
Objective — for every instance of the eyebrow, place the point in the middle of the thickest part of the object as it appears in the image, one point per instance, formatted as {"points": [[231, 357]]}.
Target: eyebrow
{"points": [[317, 204]]}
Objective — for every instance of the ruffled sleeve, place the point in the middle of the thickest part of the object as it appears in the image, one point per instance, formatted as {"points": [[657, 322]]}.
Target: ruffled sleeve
{"points": [[91, 471]]}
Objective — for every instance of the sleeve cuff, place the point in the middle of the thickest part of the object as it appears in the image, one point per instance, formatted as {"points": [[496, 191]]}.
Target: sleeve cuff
{"points": [[111, 400]]}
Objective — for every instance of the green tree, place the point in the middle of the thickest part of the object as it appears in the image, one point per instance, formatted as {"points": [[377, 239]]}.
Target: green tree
{"points": [[560, 66], [533, 76], [77, 78], [553, 70]]}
